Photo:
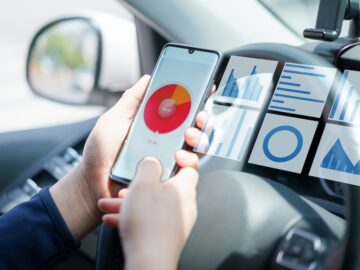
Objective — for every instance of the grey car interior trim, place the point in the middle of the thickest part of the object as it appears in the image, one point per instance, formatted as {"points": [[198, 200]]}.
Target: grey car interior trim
{"points": [[28, 150]]}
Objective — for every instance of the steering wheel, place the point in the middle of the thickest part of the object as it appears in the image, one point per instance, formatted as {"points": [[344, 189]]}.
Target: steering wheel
{"points": [[248, 222]]}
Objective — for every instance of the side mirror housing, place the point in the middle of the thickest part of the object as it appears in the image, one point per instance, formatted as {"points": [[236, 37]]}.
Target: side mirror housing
{"points": [[83, 59]]}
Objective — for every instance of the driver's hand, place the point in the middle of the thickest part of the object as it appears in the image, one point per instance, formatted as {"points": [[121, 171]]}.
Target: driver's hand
{"points": [[156, 218], [183, 158], [76, 195]]}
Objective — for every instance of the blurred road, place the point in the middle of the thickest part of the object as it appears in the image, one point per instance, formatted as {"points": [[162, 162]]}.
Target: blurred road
{"points": [[19, 21]]}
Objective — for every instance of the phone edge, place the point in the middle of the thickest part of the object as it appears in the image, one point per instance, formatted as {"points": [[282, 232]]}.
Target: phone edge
{"points": [[126, 181]]}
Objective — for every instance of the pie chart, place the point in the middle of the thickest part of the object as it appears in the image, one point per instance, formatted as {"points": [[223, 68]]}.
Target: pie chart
{"points": [[167, 108]]}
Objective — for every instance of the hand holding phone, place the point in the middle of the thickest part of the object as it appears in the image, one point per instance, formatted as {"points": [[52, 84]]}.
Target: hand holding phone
{"points": [[180, 83]]}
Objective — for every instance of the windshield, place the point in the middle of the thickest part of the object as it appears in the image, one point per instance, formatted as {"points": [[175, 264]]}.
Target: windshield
{"points": [[296, 14]]}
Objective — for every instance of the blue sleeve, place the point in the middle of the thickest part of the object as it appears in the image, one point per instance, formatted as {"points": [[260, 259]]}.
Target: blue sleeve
{"points": [[34, 235]]}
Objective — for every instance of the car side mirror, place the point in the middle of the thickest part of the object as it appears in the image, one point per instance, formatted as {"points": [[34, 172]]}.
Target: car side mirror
{"points": [[83, 59]]}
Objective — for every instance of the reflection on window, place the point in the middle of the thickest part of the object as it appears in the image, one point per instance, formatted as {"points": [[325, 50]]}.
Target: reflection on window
{"points": [[295, 14]]}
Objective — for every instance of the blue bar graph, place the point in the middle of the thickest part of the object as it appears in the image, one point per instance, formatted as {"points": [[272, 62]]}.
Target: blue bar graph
{"points": [[299, 66], [282, 108], [231, 88], [289, 83], [218, 149], [348, 99], [339, 94], [250, 89], [304, 73], [278, 101], [246, 142], [301, 98], [355, 111], [293, 90], [302, 89], [233, 140], [346, 103], [229, 132]]}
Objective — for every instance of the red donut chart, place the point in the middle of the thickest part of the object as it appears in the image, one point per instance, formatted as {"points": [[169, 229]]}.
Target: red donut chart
{"points": [[167, 108]]}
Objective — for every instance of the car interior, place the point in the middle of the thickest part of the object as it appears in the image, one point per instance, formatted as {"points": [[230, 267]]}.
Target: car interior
{"points": [[279, 179]]}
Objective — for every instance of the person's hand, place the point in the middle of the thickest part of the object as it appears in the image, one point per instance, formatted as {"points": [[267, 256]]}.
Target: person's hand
{"points": [[76, 195], [156, 217], [106, 139], [159, 216], [193, 136]]}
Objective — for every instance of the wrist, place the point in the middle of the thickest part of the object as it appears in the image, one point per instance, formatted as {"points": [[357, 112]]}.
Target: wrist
{"points": [[76, 204], [151, 259], [86, 194]]}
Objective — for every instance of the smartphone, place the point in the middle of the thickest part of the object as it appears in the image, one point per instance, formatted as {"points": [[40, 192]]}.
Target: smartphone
{"points": [[180, 83]]}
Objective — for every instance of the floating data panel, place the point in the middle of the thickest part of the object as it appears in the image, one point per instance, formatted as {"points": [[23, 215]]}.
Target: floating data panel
{"points": [[302, 89], [246, 81], [283, 143], [227, 132], [338, 155], [346, 106]]}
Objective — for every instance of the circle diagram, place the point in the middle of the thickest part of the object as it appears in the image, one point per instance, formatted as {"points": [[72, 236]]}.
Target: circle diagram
{"points": [[290, 156], [167, 108]]}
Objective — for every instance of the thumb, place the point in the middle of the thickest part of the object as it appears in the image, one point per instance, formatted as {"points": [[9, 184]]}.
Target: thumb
{"points": [[130, 100], [148, 171]]}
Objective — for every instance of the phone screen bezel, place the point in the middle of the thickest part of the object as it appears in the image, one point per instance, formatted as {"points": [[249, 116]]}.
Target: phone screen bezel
{"points": [[206, 92]]}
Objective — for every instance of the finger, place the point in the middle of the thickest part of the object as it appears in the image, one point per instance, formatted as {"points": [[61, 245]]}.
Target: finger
{"points": [[212, 91], [186, 178], [111, 220], [110, 205], [196, 138], [201, 119], [192, 136], [186, 159], [130, 100], [122, 193], [148, 171]]}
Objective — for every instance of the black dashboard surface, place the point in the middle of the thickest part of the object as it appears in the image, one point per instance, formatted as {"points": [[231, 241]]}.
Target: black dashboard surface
{"points": [[23, 153]]}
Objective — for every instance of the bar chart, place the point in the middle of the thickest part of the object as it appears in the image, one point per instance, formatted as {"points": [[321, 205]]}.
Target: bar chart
{"points": [[246, 81], [302, 89], [229, 132], [346, 106]]}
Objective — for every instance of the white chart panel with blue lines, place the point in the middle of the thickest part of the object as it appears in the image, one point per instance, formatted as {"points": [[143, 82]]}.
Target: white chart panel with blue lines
{"points": [[338, 155], [229, 130], [346, 106], [246, 81], [302, 89]]}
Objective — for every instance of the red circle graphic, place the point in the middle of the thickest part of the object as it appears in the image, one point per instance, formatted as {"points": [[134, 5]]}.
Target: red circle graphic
{"points": [[167, 108]]}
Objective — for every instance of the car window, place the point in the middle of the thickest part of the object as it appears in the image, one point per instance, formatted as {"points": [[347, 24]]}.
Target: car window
{"points": [[19, 21], [223, 25], [296, 14]]}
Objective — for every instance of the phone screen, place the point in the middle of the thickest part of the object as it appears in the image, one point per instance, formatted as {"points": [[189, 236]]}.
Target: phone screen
{"points": [[180, 80]]}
